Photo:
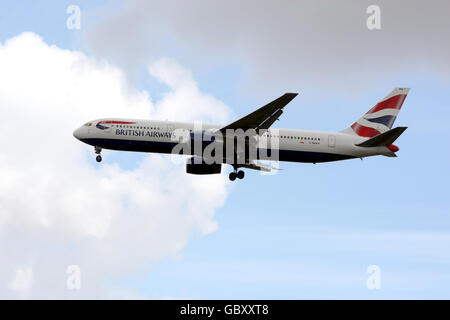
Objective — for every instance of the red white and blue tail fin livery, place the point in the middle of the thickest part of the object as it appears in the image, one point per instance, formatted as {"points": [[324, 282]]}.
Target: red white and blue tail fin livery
{"points": [[381, 117]]}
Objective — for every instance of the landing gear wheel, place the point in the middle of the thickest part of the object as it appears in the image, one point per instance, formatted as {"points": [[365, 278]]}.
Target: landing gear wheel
{"points": [[240, 174], [232, 176], [98, 150]]}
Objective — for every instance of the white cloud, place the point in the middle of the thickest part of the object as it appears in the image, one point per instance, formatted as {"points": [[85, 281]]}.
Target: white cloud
{"points": [[185, 101], [285, 44], [57, 206]]}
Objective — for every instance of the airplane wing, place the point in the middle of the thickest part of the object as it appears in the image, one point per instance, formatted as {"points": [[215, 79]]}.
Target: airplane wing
{"points": [[264, 117]]}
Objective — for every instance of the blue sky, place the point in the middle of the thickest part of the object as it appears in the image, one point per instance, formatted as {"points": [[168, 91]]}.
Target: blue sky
{"points": [[311, 230]]}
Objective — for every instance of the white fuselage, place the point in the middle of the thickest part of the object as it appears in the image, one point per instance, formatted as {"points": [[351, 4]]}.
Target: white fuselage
{"points": [[161, 137]]}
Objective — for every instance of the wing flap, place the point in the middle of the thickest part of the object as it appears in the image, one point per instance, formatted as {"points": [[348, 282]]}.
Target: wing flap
{"points": [[268, 123], [256, 165]]}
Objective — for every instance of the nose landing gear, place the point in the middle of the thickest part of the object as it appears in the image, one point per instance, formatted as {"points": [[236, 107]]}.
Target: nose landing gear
{"points": [[98, 150], [236, 174]]}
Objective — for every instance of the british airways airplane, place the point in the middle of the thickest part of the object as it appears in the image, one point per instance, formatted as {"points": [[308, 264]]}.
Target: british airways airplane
{"points": [[371, 135]]}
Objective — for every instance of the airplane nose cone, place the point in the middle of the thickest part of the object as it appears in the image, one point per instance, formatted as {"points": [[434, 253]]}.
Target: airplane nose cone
{"points": [[77, 133]]}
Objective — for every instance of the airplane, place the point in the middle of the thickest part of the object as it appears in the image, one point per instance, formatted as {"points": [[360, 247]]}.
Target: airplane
{"points": [[370, 135]]}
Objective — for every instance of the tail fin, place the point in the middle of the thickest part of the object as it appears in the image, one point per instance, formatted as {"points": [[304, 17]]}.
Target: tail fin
{"points": [[381, 117]]}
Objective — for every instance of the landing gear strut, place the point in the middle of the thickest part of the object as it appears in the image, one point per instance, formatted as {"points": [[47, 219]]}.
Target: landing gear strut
{"points": [[236, 174], [98, 150]]}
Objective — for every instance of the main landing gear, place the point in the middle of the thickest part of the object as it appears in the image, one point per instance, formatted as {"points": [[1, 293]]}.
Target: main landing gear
{"points": [[98, 150], [236, 174]]}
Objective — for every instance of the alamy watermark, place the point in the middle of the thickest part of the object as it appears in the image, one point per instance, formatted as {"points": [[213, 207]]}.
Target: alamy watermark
{"points": [[73, 22], [73, 281], [239, 148], [373, 21], [373, 282]]}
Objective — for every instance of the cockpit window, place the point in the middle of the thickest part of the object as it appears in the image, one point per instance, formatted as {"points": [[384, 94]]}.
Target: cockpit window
{"points": [[88, 124]]}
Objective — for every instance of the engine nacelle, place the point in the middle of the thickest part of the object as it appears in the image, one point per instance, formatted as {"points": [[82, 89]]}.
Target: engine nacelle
{"points": [[196, 165]]}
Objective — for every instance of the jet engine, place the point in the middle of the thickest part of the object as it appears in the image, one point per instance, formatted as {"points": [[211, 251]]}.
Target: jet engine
{"points": [[197, 165]]}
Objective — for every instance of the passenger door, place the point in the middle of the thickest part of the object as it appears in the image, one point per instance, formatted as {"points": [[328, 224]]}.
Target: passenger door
{"points": [[331, 141]]}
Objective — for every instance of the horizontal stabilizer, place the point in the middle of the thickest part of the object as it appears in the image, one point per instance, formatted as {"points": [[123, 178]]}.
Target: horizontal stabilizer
{"points": [[383, 139]]}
